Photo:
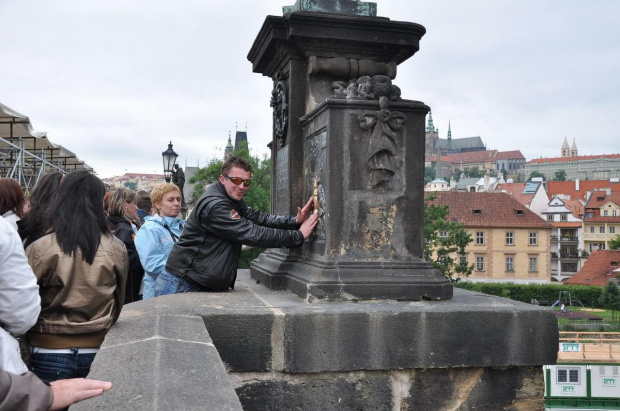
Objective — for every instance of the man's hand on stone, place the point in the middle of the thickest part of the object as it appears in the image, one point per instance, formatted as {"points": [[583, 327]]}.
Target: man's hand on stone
{"points": [[67, 392], [304, 213], [308, 226]]}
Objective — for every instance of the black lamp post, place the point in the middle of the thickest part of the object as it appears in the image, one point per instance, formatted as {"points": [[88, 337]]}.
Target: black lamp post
{"points": [[169, 157]]}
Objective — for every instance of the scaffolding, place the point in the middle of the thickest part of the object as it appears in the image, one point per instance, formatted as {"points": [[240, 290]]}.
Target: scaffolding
{"points": [[27, 154]]}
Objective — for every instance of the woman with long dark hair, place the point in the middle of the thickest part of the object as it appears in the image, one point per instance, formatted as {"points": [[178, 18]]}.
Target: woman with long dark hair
{"points": [[122, 209], [81, 270], [35, 223], [11, 201]]}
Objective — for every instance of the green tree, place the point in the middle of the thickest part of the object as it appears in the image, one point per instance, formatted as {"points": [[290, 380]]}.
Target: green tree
{"points": [[559, 175], [474, 172], [535, 174], [429, 174], [610, 299], [446, 239], [614, 244], [504, 173]]}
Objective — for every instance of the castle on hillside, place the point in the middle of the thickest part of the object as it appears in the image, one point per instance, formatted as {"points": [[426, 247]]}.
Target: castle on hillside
{"points": [[434, 144]]}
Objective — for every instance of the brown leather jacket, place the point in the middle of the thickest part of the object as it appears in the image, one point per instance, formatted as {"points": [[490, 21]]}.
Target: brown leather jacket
{"points": [[79, 302]]}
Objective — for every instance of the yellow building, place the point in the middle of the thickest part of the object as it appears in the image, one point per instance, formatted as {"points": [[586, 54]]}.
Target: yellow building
{"points": [[510, 242], [601, 220]]}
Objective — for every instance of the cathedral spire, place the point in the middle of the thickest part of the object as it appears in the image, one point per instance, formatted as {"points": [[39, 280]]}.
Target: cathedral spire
{"points": [[565, 148], [449, 131], [430, 128], [573, 149], [229, 148]]}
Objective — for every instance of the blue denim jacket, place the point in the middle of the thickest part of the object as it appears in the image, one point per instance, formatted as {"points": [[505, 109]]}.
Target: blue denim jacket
{"points": [[154, 243]]}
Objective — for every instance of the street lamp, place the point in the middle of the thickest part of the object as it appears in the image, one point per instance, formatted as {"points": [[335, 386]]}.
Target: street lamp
{"points": [[169, 157]]}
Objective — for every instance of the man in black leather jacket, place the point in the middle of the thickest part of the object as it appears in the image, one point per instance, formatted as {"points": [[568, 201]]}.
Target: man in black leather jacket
{"points": [[206, 256]]}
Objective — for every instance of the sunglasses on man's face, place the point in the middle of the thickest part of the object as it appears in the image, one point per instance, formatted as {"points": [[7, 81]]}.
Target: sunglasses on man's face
{"points": [[238, 180]]}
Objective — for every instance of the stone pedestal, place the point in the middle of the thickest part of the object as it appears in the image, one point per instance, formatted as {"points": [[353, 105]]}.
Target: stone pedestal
{"points": [[343, 134], [259, 349]]}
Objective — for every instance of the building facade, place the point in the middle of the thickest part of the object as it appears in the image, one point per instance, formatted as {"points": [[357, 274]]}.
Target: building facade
{"points": [[510, 242], [601, 220], [566, 236], [601, 167]]}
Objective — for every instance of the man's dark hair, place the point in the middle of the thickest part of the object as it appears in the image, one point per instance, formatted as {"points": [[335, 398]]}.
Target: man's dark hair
{"points": [[238, 162], [144, 203]]}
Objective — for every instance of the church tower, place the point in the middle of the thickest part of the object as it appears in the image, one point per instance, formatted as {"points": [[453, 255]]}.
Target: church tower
{"points": [[573, 149], [565, 148], [432, 135], [449, 137], [229, 149]]}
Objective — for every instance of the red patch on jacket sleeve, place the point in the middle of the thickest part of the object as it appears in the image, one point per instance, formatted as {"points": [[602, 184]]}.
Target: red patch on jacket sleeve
{"points": [[234, 215]]}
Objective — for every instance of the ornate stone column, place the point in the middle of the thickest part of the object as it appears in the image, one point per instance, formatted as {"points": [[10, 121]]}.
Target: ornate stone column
{"points": [[343, 133]]}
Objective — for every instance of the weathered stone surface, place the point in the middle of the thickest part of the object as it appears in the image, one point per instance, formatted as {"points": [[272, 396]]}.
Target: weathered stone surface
{"points": [[480, 388], [474, 350], [243, 341], [371, 391], [161, 362]]}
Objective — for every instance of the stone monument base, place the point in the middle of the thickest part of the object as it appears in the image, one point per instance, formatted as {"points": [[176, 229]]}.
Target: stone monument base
{"points": [[259, 349], [350, 281]]}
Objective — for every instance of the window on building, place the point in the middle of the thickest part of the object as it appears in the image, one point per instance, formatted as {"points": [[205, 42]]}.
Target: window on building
{"points": [[533, 238], [480, 263], [569, 268], [510, 266], [442, 258], [563, 217], [601, 229], [567, 375], [533, 263], [463, 259], [549, 217], [510, 238], [614, 212], [604, 212], [443, 234], [612, 230], [479, 237], [592, 229]]}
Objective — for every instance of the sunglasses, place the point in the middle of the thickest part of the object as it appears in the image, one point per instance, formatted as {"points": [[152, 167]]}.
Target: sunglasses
{"points": [[238, 180]]}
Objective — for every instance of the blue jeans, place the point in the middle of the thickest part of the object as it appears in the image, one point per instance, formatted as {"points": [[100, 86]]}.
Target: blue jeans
{"points": [[171, 284], [52, 367]]}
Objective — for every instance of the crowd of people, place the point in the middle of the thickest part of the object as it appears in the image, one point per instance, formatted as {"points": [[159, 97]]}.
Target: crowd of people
{"points": [[72, 255]]}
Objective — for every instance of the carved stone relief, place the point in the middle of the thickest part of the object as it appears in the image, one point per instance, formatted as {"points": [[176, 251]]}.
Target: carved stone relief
{"points": [[384, 126]]}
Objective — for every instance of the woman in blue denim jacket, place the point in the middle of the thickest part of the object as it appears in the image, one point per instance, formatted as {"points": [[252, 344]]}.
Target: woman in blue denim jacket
{"points": [[158, 234]]}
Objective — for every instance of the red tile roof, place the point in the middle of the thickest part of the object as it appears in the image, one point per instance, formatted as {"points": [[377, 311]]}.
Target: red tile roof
{"points": [[575, 207], [568, 187], [571, 159], [489, 210], [516, 190], [507, 155], [598, 268]]}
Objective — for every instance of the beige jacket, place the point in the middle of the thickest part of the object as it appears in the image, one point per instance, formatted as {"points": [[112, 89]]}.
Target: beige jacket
{"points": [[79, 302]]}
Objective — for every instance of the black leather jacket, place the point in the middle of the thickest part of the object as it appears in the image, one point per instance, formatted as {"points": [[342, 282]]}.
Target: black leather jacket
{"points": [[209, 247]]}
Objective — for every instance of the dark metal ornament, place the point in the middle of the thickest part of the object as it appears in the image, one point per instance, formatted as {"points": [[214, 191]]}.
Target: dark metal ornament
{"points": [[279, 102]]}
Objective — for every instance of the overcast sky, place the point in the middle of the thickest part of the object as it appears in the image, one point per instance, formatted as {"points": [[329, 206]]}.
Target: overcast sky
{"points": [[115, 80]]}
